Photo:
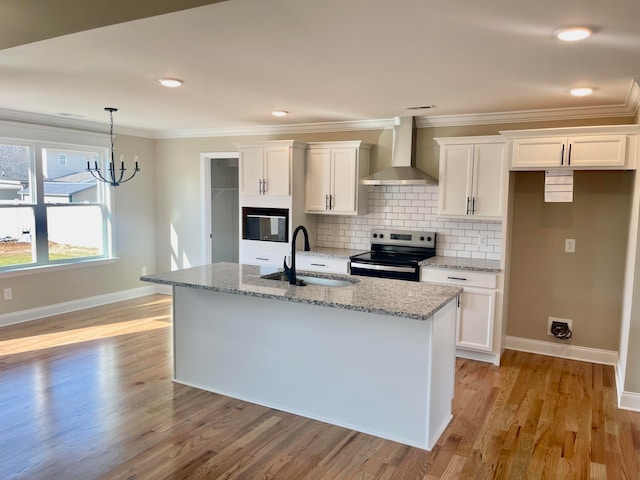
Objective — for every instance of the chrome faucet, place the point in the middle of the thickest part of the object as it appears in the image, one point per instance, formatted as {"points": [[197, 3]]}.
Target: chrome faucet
{"points": [[291, 272]]}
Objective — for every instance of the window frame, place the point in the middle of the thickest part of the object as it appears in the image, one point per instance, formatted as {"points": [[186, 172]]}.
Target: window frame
{"points": [[40, 236]]}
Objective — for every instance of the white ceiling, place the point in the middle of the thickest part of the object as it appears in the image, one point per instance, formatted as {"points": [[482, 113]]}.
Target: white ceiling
{"points": [[330, 61]]}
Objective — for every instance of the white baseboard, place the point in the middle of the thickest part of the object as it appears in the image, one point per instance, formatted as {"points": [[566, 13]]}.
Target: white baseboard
{"points": [[572, 352], [479, 356], [80, 304], [630, 401]]}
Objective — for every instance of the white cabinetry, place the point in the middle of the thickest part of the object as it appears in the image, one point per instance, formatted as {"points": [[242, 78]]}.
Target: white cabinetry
{"points": [[323, 264], [472, 176], [271, 175], [271, 254], [332, 178], [476, 308], [607, 147], [265, 169]]}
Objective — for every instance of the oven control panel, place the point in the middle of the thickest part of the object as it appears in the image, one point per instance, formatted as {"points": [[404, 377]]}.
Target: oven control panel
{"points": [[394, 237]]}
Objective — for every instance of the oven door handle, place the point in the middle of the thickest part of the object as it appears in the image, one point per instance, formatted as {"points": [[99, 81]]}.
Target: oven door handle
{"points": [[384, 268]]}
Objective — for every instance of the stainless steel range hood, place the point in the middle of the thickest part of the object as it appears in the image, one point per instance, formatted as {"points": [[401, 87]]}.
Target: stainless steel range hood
{"points": [[402, 170]]}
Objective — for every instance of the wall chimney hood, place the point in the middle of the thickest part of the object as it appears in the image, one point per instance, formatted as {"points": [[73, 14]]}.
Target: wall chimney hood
{"points": [[402, 170]]}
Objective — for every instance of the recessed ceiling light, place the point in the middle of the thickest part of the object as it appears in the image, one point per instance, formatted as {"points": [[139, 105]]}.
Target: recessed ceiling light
{"points": [[573, 34], [170, 82], [581, 91], [279, 113]]}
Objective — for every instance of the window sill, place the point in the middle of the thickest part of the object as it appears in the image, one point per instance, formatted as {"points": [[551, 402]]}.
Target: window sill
{"points": [[21, 271]]}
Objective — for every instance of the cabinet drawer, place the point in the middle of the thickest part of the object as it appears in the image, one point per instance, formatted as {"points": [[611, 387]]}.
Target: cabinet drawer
{"points": [[255, 252], [463, 278], [322, 264]]}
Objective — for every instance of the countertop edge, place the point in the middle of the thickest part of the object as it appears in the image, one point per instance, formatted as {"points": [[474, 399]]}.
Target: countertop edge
{"points": [[342, 306], [456, 263]]}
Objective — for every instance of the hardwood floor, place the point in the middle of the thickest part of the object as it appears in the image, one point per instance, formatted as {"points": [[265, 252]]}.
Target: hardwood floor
{"points": [[89, 395]]}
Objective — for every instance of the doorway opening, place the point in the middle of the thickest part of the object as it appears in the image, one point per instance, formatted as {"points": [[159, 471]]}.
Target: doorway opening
{"points": [[220, 207]]}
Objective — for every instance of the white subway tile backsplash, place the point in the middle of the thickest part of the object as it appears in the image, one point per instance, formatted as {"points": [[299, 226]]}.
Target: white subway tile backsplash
{"points": [[411, 208]]}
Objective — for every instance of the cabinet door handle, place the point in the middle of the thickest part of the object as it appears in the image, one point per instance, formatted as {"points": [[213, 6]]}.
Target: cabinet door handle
{"points": [[331, 204], [326, 202], [260, 186], [457, 278], [569, 156], [318, 264], [562, 156], [262, 258], [473, 206], [468, 200], [264, 186]]}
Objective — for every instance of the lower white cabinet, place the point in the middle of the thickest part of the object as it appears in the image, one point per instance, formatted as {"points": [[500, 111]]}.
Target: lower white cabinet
{"points": [[474, 326], [271, 254], [476, 307], [318, 263]]}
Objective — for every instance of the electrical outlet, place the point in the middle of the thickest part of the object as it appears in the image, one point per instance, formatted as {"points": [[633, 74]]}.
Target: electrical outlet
{"points": [[8, 294], [482, 239], [552, 320], [569, 245], [144, 271]]}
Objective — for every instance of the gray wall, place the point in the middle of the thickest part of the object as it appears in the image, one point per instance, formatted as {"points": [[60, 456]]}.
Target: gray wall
{"points": [[585, 286]]}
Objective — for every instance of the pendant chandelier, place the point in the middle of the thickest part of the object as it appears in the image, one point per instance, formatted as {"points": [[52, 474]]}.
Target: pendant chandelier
{"points": [[112, 176]]}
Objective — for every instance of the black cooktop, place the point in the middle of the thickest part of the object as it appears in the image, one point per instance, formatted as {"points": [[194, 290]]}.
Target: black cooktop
{"points": [[393, 257]]}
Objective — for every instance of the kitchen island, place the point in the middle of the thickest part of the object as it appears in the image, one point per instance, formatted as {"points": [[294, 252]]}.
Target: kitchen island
{"points": [[377, 356]]}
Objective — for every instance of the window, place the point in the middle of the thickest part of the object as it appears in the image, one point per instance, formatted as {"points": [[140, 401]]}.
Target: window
{"points": [[51, 212]]}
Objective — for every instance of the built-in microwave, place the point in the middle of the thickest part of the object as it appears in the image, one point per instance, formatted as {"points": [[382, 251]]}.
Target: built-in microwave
{"points": [[265, 224]]}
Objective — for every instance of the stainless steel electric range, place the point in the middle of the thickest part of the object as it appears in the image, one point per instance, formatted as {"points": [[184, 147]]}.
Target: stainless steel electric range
{"points": [[395, 254]]}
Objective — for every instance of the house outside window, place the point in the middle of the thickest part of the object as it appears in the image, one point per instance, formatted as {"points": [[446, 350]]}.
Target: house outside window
{"points": [[51, 213]]}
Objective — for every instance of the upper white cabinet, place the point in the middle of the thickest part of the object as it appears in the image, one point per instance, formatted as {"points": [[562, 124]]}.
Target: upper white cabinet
{"points": [[332, 178], [472, 173], [606, 147], [265, 168]]}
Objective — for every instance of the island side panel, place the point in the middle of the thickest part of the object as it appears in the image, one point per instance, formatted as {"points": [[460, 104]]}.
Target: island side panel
{"points": [[443, 370], [359, 370]]}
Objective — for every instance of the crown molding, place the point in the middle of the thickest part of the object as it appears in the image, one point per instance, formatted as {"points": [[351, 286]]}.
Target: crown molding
{"points": [[629, 108], [29, 118], [347, 126]]}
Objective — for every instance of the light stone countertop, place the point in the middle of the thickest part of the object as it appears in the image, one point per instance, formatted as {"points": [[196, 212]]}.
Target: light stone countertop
{"points": [[490, 266], [398, 298], [341, 253]]}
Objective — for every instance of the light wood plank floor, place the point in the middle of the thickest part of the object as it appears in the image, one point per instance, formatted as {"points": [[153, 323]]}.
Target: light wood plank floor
{"points": [[89, 395]]}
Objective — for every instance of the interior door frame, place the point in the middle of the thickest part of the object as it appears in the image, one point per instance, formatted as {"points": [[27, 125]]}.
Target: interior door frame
{"points": [[205, 201]]}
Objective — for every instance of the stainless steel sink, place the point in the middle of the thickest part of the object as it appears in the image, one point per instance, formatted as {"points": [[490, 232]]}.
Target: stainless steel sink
{"points": [[306, 279]]}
